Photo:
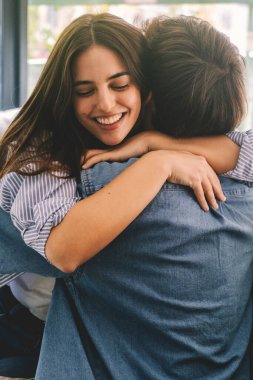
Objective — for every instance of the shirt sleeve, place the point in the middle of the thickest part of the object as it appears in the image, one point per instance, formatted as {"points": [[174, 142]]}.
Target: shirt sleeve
{"points": [[244, 168], [7, 278], [39, 203]]}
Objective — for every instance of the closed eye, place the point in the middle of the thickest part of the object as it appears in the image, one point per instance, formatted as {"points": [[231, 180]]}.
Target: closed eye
{"points": [[85, 93], [120, 88]]}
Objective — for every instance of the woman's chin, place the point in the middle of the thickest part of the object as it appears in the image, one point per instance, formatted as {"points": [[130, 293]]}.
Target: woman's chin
{"points": [[112, 140]]}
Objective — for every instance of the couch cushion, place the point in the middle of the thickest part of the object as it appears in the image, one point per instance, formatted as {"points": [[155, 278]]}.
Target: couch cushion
{"points": [[6, 118]]}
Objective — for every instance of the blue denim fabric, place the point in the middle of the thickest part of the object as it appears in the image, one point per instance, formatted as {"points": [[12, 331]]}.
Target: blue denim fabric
{"points": [[170, 298], [16, 256], [63, 352]]}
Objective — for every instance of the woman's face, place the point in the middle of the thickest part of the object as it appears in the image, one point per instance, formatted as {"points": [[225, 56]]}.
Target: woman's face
{"points": [[105, 100]]}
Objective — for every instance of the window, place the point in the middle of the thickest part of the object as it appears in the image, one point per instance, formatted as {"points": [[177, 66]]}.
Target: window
{"points": [[41, 21], [13, 45]]}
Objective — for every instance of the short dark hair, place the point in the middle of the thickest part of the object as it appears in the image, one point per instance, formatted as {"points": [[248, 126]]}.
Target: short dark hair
{"points": [[196, 75]]}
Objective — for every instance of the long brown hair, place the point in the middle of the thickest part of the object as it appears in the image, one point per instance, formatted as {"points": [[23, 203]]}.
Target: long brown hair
{"points": [[46, 134], [196, 75]]}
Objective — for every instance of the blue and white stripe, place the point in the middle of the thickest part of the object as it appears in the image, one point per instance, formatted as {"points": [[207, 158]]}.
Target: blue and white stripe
{"points": [[6, 278], [244, 167], [38, 203]]}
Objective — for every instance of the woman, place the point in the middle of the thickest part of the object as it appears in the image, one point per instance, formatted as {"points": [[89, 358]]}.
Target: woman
{"points": [[91, 94]]}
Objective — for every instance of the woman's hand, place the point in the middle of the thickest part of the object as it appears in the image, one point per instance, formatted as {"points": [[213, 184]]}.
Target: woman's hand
{"points": [[92, 223], [220, 151], [135, 146], [194, 171], [186, 168]]}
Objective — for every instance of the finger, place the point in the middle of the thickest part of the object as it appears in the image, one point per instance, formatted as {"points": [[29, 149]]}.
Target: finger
{"points": [[200, 195], [216, 185], [93, 152], [209, 193], [96, 159], [218, 189], [82, 159]]}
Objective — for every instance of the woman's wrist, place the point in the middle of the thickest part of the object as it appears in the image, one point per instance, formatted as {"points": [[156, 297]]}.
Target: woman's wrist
{"points": [[161, 159], [155, 140]]}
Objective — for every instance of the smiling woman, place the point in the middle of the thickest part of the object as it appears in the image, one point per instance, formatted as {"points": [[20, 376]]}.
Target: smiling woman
{"points": [[106, 101], [48, 114]]}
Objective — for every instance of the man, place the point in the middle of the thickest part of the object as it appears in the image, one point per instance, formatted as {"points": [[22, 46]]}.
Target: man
{"points": [[170, 298]]}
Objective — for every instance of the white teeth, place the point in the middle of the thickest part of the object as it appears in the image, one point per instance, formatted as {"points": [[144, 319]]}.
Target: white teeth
{"points": [[109, 120]]}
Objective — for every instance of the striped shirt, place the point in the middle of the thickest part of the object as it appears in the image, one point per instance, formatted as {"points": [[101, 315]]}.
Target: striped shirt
{"points": [[244, 168], [38, 203], [6, 278]]}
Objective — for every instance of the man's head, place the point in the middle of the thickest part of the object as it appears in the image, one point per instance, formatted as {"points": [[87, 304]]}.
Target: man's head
{"points": [[196, 76]]}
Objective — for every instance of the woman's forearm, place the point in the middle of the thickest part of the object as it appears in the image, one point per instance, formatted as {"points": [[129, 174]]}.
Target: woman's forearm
{"points": [[95, 221], [220, 151]]}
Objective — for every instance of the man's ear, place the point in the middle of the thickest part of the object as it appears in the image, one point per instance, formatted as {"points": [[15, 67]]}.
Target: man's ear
{"points": [[150, 102], [149, 111]]}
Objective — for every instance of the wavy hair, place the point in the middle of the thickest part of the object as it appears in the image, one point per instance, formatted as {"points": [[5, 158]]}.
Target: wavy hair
{"points": [[45, 135]]}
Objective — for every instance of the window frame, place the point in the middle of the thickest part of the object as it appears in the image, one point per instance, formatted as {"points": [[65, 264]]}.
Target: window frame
{"points": [[13, 45]]}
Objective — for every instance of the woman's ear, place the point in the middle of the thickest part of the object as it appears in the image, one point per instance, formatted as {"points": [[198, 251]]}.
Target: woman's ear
{"points": [[148, 99]]}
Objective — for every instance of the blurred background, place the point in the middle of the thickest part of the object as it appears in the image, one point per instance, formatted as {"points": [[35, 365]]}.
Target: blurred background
{"points": [[29, 29]]}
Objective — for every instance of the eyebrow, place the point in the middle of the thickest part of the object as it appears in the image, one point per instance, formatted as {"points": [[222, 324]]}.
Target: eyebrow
{"points": [[80, 82]]}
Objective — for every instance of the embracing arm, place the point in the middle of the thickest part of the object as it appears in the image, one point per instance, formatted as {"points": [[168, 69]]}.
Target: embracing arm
{"points": [[220, 151], [94, 222], [46, 211]]}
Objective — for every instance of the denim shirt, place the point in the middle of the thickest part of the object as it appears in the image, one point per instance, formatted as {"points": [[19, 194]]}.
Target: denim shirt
{"points": [[16, 256], [170, 298]]}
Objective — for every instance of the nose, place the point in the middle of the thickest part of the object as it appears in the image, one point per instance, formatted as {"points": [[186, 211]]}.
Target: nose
{"points": [[106, 101]]}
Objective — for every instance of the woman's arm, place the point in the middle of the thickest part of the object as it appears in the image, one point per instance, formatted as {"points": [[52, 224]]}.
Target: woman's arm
{"points": [[244, 167], [220, 151], [94, 222]]}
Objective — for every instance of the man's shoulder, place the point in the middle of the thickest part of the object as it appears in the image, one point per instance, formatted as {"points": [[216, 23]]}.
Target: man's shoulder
{"points": [[236, 187], [101, 174]]}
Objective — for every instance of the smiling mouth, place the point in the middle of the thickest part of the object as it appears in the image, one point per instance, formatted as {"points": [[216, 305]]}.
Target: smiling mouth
{"points": [[109, 121]]}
